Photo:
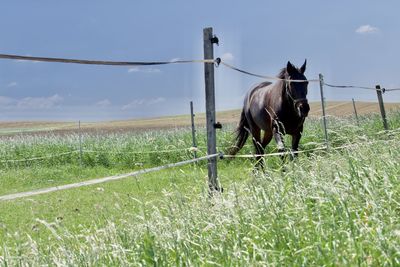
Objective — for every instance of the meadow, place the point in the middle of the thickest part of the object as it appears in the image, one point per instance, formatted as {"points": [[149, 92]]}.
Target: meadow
{"points": [[327, 207]]}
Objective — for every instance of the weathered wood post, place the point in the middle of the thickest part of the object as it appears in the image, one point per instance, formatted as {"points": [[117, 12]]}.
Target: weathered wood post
{"points": [[379, 92], [321, 87], [194, 143], [355, 111], [209, 40]]}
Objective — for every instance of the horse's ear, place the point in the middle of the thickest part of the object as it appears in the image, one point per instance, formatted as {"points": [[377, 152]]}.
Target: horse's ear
{"points": [[303, 68], [290, 68]]}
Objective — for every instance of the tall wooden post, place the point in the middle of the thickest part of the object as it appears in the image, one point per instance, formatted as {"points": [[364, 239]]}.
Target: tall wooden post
{"points": [[194, 143], [382, 106], [209, 39], [355, 111], [321, 87]]}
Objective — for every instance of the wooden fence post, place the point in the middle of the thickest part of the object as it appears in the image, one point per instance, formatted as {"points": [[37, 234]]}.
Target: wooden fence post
{"points": [[321, 87], [382, 106], [209, 40], [194, 143], [355, 111]]}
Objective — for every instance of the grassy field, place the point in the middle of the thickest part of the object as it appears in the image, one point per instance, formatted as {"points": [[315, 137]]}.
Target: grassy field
{"points": [[339, 207]]}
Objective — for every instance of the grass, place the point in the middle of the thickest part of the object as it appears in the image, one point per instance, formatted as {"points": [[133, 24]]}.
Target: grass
{"points": [[337, 208]]}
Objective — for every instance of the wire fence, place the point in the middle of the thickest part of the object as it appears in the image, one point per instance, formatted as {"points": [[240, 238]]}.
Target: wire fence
{"points": [[172, 165], [319, 146], [217, 61]]}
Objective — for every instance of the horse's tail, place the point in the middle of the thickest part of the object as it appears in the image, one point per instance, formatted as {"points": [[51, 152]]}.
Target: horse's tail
{"points": [[242, 133]]}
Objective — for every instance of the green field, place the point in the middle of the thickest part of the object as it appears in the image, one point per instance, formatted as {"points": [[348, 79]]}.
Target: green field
{"points": [[337, 207]]}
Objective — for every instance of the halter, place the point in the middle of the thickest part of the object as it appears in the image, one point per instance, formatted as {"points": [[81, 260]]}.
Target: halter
{"points": [[295, 101]]}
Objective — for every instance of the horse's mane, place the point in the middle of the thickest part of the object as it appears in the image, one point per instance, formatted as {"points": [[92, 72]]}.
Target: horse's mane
{"points": [[282, 74]]}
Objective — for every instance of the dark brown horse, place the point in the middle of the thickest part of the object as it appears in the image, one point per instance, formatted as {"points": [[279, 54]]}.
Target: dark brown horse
{"points": [[276, 109]]}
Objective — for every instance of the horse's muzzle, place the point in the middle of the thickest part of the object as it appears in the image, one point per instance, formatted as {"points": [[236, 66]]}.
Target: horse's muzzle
{"points": [[303, 108]]}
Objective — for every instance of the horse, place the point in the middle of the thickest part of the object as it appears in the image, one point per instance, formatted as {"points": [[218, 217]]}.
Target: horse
{"points": [[277, 109]]}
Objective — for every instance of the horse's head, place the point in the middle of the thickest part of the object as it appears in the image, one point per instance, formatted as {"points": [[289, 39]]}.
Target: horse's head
{"points": [[296, 91]]}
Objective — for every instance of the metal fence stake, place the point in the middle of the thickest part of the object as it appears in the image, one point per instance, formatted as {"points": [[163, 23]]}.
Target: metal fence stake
{"points": [[194, 143], [355, 111], [321, 86], [80, 142]]}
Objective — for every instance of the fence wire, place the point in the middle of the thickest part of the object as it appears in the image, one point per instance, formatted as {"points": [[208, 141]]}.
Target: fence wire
{"points": [[191, 149], [264, 76], [101, 62], [39, 158], [216, 61], [101, 180], [322, 148], [352, 86], [362, 87], [171, 165]]}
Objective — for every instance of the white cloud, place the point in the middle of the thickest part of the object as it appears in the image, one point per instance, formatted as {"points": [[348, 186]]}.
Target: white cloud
{"points": [[144, 70], [141, 102], [30, 103], [12, 84], [227, 56], [367, 29], [103, 103]]}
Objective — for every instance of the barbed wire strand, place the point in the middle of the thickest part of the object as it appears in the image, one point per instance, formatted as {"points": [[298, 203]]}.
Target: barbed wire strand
{"points": [[101, 180]]}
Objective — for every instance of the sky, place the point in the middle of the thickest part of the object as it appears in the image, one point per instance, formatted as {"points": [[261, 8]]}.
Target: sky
{"points": [[349, 42]]}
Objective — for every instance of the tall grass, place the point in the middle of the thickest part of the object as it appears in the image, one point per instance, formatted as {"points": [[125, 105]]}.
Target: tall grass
{"points": [[325, 208]]}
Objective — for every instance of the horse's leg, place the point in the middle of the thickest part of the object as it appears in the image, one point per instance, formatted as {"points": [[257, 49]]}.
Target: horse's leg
{"points": [[256, 132], [256, 138], [295, 141], [266, 139], [278, 136]]}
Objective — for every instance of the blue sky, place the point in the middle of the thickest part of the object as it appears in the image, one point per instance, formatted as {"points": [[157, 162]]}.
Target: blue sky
{"points": [[349, 42]]}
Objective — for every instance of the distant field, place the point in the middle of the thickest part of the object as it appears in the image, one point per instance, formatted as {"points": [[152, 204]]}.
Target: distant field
{"points": [[231, 116]]}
